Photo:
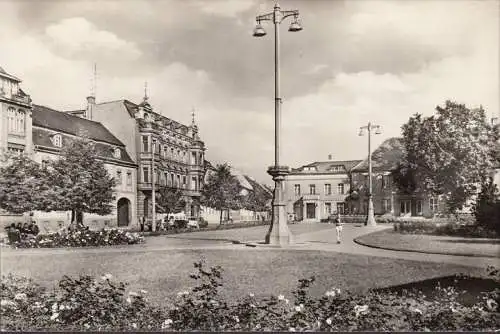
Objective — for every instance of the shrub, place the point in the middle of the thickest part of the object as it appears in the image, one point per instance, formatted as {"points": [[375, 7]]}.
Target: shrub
{"points": [[448, 227], [202, 222], [487, 207], [81, 238], [93, 304]]}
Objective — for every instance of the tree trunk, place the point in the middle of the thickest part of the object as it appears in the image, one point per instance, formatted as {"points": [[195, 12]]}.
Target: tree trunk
{"points": [[220, 220]]}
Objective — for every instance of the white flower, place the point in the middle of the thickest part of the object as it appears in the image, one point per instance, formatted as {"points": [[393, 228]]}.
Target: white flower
{"points": [[236, 318], [134, 325], [107, 277], [251, 294], [54, 307], [61, 307], [416, 310], [167, 323], [134, 294], [281, 297], [54, 316], [286, 301], [7, 303], [491, 304], [291, 329], [329, 321], [297, 308], [360, 309], [129, 300], [20, 296], [86, 326], [252, 306], [143, 292]]}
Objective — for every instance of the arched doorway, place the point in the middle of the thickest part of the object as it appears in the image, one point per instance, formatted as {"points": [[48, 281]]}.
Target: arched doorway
{"points": [[123, 211]]}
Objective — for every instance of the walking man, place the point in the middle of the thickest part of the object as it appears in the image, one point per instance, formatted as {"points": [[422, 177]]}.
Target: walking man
{"points": [[338, 227]]}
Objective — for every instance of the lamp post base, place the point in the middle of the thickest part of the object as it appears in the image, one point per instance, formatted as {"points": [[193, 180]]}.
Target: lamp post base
{"points": [[278, 233], [370, 220]]}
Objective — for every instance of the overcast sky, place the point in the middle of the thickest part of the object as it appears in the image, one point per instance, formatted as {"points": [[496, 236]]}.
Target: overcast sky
{"points": [[355, 61]]}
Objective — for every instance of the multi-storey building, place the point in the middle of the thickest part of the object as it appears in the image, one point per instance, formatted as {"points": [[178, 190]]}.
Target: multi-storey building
{"points": [[168, 153], [52, 130], [15, 115], [387, 199], [317, 190]]}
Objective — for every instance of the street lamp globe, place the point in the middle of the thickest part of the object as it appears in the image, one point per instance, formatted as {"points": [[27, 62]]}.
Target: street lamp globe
{"points": [[259, 31], [361, 133], [295, 26], [378, 131]]}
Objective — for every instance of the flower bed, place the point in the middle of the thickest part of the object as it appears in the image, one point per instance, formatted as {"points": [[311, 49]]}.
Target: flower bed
{"points": [[95, 304], [452, 228], [227, 226], [81, 238]]}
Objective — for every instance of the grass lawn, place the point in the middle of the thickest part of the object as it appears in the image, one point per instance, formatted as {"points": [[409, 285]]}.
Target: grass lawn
{"points": [[261, 271], [390, 239]]}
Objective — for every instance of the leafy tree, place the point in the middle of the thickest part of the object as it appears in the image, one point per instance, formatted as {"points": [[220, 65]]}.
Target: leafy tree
{"points": [[222, 190], [170, 200], [449, 153], [85, 182], [487, 207], [26, 186]]}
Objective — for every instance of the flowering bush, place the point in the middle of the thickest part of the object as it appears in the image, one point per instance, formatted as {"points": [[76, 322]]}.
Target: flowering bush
{"points": [[81, 238], [88, 303], [447, 228]]}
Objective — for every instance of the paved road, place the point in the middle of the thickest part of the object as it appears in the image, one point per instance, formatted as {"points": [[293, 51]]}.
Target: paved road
{"points": [[317, 237]]}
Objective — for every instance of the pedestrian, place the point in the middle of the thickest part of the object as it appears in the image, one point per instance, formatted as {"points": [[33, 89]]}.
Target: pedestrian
{"points": [[34, 228], [338, 227], [141, 223]]}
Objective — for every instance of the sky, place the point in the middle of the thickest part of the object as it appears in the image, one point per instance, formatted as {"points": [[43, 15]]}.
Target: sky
{"points": [[355, 62]]}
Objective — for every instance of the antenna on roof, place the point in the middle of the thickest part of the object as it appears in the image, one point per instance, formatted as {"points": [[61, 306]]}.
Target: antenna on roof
{"points": [[145, 90], [93, 82], [192, 117]]}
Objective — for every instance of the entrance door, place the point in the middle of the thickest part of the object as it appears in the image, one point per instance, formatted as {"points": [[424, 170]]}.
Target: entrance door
{"points": [[311, 210], [123, 211], [405, 207]]}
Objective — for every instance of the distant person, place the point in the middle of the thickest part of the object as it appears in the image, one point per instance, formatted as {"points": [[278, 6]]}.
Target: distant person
{"points": [[338, 227], [141, 223], [33, 228]]}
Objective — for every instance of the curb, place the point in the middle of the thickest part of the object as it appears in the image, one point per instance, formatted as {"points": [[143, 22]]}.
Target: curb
{"points": [[356, 241]]}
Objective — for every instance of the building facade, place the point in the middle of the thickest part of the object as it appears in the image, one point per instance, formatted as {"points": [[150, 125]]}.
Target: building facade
{"points": [[52, 130], [387, 198], [168, 153], [315, 191], [15, 116]]}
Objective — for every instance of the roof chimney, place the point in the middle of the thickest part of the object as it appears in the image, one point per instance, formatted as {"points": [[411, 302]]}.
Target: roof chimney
{"points": [[90, 107], [329, 157]]}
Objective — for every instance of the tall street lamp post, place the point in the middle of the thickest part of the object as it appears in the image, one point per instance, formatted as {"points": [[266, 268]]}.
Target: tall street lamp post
{"points": [[153, 184], [370, 219], [278, 233]]}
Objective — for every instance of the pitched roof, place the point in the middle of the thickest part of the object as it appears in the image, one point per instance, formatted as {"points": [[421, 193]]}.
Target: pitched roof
{"points": [[60, 121], [385, 157], [327, 167], [43, 137]]}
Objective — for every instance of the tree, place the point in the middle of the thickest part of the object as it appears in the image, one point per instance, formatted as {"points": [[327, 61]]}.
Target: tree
{"points": [[26, 186], [448, 154], [487, 207], [86, 184], [222, 190], [257, 199], [170, 200]]}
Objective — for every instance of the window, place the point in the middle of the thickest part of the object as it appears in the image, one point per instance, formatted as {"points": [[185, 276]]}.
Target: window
{"points": [[297, 189], [16, 149], [328, 189], [178, 181], [165, 151], [118, 177], [386, 181], [405, 207], [341, 208], [145, 143], [386, 205], [129, 178], [418, 207], [340, 188], [12, 119], [145, 174], [433, 204], [117, 153], [15, 121], [184, 181], [193, 158], [328, 208], [312, 189], [57, 140], [193, 183], [172, 180]]}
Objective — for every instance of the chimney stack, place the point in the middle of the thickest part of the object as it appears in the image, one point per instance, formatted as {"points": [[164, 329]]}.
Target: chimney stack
{"points": [[329, 157], [90, 106]]}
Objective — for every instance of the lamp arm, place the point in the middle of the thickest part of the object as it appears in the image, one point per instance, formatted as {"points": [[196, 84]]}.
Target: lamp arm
{"points": [[287, 13], [265, 17]]}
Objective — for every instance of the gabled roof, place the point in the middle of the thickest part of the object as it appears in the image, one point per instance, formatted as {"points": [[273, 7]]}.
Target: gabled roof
{"points": [[42, 137], [45, 117], [385, 157], [4, 74], [322, 167]]}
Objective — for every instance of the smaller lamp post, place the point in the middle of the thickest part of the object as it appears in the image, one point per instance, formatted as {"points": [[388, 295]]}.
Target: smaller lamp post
{"points": [[370, 219]]}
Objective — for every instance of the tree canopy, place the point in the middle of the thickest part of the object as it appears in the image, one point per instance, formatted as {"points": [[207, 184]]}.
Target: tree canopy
{"points": [[222, 190], [170, 200], [450, 153]]}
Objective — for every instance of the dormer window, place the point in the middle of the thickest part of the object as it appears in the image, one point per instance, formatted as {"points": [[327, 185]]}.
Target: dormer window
{"points": [[57, 140], [117, 153]]}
